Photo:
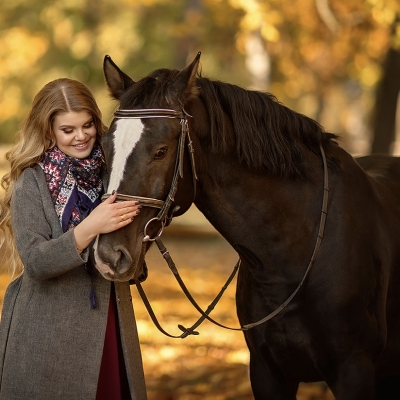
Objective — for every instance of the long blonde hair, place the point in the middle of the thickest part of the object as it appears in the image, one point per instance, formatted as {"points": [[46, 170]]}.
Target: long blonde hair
{"points": [[33, 139]]}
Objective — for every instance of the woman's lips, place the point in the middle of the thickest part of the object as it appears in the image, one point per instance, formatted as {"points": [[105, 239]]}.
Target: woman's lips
{"points": [[81, 146]]}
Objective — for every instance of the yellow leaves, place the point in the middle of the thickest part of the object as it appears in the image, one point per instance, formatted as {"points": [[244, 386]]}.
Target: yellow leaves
{"points": [[252, 21], [20, 50], [396, 38], [10, 98], [370, 75], [144, 3], [238, 356], [270, 33], [384, 16], [82, 44], [119, 38], [293, 88], [250, 6], [63, 32], [304, 49], [384, 11], [259, 17]]}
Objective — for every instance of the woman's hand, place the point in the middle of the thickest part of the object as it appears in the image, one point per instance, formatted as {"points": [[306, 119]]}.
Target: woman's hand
{"points": [[110, 216], [106, 217]]}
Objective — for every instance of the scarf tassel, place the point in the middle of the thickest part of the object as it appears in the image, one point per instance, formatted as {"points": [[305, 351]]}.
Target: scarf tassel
{"points": [[92, 296]]}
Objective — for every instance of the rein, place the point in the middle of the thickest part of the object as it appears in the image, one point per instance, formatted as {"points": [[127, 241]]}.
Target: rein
{"points": [[162, 216]]}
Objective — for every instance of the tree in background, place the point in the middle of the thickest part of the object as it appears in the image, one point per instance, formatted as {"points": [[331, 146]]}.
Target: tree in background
{"points": [[326, 57], [386, 101], [45, 40], [322, 58]]}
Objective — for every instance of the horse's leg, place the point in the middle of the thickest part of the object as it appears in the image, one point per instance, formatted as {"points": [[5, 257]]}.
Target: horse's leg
{"points": [[267, 384], [355, 379]]}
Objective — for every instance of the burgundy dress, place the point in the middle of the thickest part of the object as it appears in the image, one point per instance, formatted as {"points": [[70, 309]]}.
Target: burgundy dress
{"points": [[113, 382]]}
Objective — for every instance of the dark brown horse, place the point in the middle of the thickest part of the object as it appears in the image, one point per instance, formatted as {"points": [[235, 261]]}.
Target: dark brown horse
{"points": [[317, 235]]}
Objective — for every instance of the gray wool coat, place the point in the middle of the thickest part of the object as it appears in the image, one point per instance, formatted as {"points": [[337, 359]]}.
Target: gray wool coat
{"points": [[51, 341]]}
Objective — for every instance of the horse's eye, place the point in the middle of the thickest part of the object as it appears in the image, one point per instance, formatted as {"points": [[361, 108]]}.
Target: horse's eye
{"points": [[161, 153]]}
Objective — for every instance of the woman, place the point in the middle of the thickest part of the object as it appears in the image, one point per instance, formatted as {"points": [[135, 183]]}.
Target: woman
{"points": [[65, 333]]}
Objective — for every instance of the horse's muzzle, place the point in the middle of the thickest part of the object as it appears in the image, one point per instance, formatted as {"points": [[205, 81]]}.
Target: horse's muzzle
{"points": [[115, 263]]}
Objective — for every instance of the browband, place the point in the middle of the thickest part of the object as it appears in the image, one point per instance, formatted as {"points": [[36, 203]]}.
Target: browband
{"points": [[149, 113]]}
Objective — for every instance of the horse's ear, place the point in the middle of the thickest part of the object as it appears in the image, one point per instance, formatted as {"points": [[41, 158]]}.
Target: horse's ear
{"points": [[117, 81], [185, 81]]}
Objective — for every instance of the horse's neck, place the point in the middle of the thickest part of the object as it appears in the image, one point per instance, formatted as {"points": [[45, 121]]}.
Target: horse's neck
{"points": [[273, 220], [262, 202]]}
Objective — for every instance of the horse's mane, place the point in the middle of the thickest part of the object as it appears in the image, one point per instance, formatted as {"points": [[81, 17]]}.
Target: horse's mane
{"points": [[267, 134]]}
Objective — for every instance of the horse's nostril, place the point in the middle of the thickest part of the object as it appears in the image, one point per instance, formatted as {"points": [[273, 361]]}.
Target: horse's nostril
{"points": [[122, 262], [114, 260]]}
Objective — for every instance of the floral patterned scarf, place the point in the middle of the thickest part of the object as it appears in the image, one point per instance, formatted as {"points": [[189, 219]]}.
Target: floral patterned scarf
{"points": [[74, 184]]}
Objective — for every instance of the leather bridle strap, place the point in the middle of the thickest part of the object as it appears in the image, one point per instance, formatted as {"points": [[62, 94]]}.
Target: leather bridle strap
{"points": [[205, 314], [178, 172], [143, 201], [149, 113]]}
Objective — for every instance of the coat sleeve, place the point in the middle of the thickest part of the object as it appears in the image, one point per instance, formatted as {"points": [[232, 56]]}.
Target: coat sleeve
{"points": [[45, 253]]}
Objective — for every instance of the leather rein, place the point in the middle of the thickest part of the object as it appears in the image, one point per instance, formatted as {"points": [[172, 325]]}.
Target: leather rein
{"points": [[165, 217]]}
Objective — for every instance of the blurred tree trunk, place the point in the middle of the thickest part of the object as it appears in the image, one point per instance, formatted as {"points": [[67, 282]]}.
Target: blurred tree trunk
{"points": [[384, 117], [258, 61], [191, 23]]}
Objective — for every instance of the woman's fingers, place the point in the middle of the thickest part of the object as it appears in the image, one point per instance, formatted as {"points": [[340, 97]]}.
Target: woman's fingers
{"points": [[129, 213], [116, 214], [129, 209], [121, 207], [111, 198], [126, 203]]}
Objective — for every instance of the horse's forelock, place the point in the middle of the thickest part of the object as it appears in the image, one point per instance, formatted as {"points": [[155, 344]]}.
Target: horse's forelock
{"points": [[154, 90]]}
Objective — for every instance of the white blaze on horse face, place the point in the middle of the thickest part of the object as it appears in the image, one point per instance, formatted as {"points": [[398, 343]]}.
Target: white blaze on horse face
{"points": [[126, 135]]}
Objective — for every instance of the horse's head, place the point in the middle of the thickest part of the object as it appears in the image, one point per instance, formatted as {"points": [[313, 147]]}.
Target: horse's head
{"points": [[145, 158]]}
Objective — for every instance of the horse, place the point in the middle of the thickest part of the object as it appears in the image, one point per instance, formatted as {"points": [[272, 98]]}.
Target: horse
{"points": [[317, 231]]}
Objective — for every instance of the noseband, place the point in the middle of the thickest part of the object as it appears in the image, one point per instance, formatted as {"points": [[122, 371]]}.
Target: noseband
{"points": [[164, 216]]}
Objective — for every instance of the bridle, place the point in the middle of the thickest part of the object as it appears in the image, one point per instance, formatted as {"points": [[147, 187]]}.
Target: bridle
{"points": [[165, 216]]}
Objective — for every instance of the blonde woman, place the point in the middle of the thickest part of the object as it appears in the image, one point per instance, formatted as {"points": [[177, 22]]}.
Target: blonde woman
{"points": [[65, 332]]}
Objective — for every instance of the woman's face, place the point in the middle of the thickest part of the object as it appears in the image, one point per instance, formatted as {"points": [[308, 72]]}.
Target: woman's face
{"points": [[75, 133]]}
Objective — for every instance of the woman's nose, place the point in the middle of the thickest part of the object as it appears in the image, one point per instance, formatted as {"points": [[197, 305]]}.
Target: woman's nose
{"points": [[80, 134]]}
